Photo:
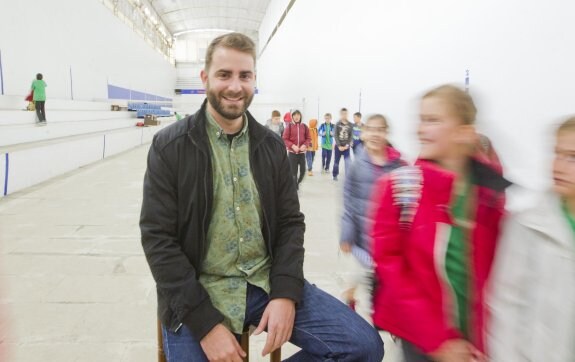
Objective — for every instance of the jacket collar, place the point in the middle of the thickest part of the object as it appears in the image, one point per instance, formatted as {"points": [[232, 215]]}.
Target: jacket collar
{"points": [[198, 134], [548, 218], [441, 180]]}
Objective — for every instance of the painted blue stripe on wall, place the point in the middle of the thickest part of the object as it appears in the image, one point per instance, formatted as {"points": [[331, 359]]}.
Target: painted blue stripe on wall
{"points": [[6, 175], [115, 92]]}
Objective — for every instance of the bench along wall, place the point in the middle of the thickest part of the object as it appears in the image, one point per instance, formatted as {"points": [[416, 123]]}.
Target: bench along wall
{"points": [[26, 167]]}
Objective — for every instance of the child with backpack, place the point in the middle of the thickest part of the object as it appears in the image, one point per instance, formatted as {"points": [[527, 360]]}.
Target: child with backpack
{"points": [[434, 236]]}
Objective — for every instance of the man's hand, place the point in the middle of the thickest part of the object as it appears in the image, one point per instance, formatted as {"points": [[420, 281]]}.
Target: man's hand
{"points": [[279, 318], [456, 350], [295, 148], [345, 247], [342, 148], [303, 148], [220, 345]]}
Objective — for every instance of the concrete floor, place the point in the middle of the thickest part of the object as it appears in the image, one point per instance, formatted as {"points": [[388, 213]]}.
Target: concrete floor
{"points": [[74, 284]]}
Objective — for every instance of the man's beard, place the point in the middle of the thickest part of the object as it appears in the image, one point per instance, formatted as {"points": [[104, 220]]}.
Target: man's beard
{"points": [[229, 112]]}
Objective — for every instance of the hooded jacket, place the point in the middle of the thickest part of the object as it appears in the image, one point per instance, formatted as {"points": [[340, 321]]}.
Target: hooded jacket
{"points": [[313, 134], [531, 296], [356, 220], [296, 134], [414, 299]]}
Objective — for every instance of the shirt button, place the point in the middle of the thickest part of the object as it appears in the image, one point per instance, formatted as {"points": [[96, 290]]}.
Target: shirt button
{"points": [[235, 179], [241, 240], [238, 208], [217, 134]]}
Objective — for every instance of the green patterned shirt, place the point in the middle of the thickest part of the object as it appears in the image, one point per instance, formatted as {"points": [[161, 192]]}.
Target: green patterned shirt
{"points": [[236, 253]]}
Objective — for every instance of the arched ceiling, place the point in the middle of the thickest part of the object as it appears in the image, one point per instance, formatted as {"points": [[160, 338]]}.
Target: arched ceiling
{"points": [[182, 16]]}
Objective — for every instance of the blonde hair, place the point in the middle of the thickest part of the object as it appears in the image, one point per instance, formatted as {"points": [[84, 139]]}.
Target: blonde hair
{"points": [[567, 125], [380, 117], [460, 100]]}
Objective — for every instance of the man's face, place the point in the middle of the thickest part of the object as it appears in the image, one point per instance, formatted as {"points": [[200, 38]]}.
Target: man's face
{"points": [[327, 119], [276, 120], [230, 82], [357, 119], [343, 115]]}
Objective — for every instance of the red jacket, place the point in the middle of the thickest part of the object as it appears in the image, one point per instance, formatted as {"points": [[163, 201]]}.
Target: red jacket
{"points": [[414, 301], [296, 134]]}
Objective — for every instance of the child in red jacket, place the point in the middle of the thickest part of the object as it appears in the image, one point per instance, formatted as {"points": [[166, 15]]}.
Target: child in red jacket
{"points": [[434, 235], [297, 140]]}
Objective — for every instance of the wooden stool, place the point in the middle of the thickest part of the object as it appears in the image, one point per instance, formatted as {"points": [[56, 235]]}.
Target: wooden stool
{"points": [[275, 356]]}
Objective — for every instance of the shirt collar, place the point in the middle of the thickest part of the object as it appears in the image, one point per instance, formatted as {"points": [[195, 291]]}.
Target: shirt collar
{"points": [[214, 127]]}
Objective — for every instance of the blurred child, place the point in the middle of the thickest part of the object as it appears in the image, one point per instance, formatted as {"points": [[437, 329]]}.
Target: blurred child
{"points": [[533, 295], [326, 133], [434, 234], [310, 153], [373, 160]]}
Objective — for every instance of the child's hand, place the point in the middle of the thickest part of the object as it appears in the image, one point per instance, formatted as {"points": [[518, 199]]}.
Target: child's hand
{"points": [[345, 247]]}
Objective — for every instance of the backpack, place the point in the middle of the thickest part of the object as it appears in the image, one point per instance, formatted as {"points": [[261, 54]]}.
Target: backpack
{"points": [[406, 186]]}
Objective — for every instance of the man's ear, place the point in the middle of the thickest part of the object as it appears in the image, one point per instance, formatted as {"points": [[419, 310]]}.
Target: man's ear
{"points": [[204, 77]]}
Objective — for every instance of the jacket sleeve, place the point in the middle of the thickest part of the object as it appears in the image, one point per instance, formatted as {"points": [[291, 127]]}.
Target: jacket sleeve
{"points": [[420, 320], [336, 135], [509, 331], [350, 136], [308, 137], [286, 275], [174, 274], [286, 137], [348, 228], [321, 130]]}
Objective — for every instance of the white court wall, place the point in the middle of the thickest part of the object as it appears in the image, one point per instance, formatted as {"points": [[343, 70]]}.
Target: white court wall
{"points": [[33, 165], [519, 54], [50, 37]]}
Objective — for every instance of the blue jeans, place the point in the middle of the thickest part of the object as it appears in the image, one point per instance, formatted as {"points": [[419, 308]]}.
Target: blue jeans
{"points": [[346, 159], [325, 329], [325, 158], [310, 156]]}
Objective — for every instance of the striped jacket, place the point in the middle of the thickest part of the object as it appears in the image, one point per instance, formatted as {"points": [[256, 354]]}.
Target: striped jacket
{"points": [[414, 300]]}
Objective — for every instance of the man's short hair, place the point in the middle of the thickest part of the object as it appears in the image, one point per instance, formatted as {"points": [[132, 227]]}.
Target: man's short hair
{"points": [[236, 41], [357, 114], [343, 110], [276, 113], [327, 115]]}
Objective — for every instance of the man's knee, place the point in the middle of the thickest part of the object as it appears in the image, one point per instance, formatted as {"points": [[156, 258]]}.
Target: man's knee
{"points": [[368, 345]]}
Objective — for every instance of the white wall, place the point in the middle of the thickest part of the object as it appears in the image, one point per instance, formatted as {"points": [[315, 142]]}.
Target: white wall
{"points": [[520, 55], [31, 166], [51, 36]]}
